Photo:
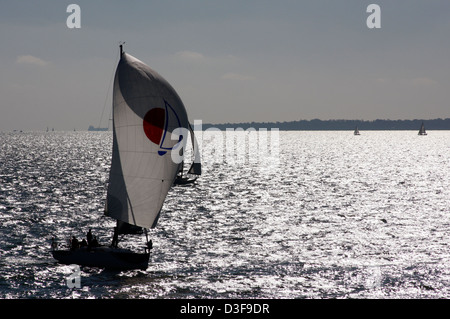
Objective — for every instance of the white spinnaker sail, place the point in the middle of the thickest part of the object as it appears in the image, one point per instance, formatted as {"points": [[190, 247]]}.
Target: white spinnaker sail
{"points": [[146, 110]]}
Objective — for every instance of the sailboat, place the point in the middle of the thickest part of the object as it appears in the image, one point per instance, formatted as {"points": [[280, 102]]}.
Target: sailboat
{"points": [[356, 132], [195, 169], [422, 130], [146, 112]]}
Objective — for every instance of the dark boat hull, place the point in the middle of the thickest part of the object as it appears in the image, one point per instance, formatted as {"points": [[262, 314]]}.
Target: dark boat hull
{"points": [[103, 257], [184, 181]]}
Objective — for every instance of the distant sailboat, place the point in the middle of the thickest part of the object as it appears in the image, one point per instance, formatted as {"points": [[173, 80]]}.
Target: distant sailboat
{"points": [[195, 169], [146, 111], [356, 132], [422, 130]]}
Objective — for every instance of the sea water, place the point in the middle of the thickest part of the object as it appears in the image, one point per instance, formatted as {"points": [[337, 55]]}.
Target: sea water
{"points": [[333, 215]]}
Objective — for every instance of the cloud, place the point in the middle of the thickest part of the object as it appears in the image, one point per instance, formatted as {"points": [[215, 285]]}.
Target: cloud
{"points": [[225, 62], [383, 80], [415, 82], [237, 77], [424, 81], [190, 55], [30, 60]]}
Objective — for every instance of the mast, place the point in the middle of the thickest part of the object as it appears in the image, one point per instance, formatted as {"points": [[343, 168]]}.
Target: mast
{"points": [[121, 48]]}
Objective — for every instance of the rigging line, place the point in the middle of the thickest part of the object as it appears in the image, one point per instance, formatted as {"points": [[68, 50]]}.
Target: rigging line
{"points": [[131, 207], [107, 94]]}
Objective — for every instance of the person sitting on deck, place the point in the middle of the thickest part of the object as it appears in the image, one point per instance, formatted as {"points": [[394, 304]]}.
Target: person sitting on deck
{"points": [[89, 237], [94, 242], [74, 243]]}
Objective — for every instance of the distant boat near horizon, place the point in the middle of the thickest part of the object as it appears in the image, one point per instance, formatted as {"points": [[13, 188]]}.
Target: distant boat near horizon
{"points": [[422, 130]]}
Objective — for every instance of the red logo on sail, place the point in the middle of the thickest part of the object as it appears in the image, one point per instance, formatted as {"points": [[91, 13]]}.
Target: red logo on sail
{"points": [[156, 123]]}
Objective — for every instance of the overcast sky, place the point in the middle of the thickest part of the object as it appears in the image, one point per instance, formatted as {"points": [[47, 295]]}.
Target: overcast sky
{"points": [[230, 61]]}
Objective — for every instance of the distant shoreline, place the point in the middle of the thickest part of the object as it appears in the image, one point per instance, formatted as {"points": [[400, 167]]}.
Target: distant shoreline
{"points": [[339, 125], [96, 129], [325, 125]]}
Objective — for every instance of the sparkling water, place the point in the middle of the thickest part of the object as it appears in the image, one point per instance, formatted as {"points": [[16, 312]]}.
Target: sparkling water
{"points": [[327, 215]]}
